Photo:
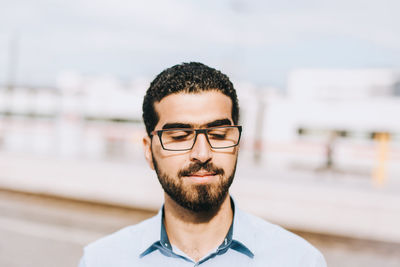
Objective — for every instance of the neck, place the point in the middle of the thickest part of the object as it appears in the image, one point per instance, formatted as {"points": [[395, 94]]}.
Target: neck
{"points": [[197, 233]]}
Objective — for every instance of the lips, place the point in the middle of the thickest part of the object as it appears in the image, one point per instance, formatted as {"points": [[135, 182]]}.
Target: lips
{"points": [[201, 170], [202, 177], [202, 174]]}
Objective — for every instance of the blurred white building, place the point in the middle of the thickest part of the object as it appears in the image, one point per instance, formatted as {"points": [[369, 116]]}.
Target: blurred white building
{"points": [[340, 110], [350, 101], [83, 116], [342, 84]]}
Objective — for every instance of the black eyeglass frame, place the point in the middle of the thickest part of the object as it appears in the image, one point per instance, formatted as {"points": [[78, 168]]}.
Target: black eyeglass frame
{"points": [[197, 132]]}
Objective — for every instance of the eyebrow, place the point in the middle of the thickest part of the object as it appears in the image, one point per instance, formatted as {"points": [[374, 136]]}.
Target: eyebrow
{"points": [[174, 125], [222, 122]]}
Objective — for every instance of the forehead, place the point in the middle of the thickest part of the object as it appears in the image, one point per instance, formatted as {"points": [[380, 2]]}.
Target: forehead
{"points": [[193, 108]]}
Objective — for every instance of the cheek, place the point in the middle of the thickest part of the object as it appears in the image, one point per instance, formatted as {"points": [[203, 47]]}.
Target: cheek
{"points": [[169, 163], [225, 161]]}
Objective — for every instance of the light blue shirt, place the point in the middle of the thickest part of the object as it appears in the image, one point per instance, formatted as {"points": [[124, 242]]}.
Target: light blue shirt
{"points": [[250, 241]]}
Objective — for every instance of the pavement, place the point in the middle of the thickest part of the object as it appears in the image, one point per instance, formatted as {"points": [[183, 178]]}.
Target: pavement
{"points": [[321, 202]]}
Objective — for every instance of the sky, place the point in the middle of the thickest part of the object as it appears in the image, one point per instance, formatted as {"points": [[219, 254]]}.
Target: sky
{"points": [[257, 41]]}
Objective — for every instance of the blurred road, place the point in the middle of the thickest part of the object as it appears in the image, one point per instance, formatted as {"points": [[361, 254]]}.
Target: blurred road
{"points": [[47, 231]]}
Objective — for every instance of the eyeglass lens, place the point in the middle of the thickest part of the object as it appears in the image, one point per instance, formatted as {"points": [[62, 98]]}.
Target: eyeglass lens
{"points": [[183, 139]]}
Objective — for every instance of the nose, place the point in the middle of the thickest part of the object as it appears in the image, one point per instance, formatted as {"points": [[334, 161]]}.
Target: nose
{"points": [[201, 150]]}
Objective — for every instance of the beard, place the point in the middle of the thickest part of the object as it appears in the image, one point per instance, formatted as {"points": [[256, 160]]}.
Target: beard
{"points": [[197, 197]]}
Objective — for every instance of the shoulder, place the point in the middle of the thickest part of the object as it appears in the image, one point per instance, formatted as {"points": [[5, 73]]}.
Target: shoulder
{"points": [[271, 241], [261, 229], [122, 246], [117, 239]]}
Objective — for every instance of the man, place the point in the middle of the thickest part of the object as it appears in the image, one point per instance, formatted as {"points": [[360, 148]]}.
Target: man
{"points": [[191, 116]]}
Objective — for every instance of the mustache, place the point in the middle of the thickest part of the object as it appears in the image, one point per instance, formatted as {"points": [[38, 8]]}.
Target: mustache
{"points": [[195, 167]]}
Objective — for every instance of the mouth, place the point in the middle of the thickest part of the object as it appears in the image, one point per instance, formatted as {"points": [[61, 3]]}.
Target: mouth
{"points": [[202, 177]]}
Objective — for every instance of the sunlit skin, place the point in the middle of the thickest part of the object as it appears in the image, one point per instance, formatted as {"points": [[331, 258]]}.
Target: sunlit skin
{"points": [[195, 233]]}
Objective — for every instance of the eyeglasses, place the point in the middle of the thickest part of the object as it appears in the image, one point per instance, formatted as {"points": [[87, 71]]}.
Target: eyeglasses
{"points": [[185, 138]]}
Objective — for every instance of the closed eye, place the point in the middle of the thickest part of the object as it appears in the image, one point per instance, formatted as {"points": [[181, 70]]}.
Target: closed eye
{"points": [[215, 135], [178, 135]]}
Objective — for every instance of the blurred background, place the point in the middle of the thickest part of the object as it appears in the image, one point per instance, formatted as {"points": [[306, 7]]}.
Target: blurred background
{"points": [[319, 89]]}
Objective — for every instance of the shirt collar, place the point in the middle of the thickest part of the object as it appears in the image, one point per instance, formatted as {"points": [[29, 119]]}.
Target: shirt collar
{"points": [[237, 237], [150, 235], [242, 235]]}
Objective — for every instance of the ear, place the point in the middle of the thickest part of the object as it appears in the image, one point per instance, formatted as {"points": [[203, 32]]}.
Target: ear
{"points": [[147, 151]]}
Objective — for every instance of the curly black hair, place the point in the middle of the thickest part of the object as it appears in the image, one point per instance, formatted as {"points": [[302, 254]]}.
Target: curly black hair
{"points": [[190, 77]]}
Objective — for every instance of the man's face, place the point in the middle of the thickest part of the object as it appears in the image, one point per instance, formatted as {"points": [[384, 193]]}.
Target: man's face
{"points": [[197, 179]]}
